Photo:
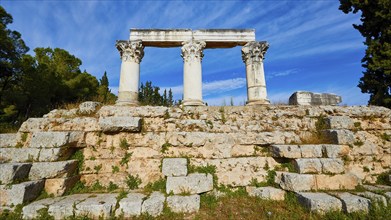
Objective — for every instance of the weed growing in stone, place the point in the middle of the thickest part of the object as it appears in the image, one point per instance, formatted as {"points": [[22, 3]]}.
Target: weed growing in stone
{"points": [[124, 144], [358, 143], [125, 159], [209, 124], [79, 156], [115, 169], [383, 178], [165, 147], [112, 186], [166, 115], [222, 115], [97, 168], [159, 185], [385, 137], [24, 137], [133, 182]]}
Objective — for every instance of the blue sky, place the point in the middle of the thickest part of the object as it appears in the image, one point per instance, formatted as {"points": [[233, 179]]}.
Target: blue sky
{"points": [[313, 46]]}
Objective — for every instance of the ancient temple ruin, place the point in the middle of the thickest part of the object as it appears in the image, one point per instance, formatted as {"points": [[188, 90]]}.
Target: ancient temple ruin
{"points": [[193, 42]]}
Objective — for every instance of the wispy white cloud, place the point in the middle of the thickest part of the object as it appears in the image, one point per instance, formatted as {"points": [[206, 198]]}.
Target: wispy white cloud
{"points": [[281, 73]]}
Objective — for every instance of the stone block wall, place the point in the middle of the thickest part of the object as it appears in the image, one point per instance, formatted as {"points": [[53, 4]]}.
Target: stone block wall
{"points": [[345, 143]]}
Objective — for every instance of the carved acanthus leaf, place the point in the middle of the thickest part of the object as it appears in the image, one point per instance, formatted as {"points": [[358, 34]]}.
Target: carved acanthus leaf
{"points": [[254, 51], [130, 50], [192, 50]]}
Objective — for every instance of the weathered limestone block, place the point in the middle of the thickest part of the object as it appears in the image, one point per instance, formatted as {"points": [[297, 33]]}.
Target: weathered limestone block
{"points": [[20, 193], [86, 108], [120, 124], [319, 202], [11, 172], [53, 154], [30, 211], [339, 136], [174, 167], [308, 165], [376, 188], [334, 151], [130, 206], [194, 183], [266, 192], [85, 124], [374, 197], [297, 182], [310, 98], [48, 170], [57, 113], [286, 151], [336, 182], [59, 186], [311, 151], [35, 124], [19, 154], [97, 206], [8, 140], [65, 207], [352, 203], [238, 171], [185, 204], [103, 166], [145, 111], [262, 138], [388, 195], [339, 122], [154, 204], [332, 165], [49, 139]]}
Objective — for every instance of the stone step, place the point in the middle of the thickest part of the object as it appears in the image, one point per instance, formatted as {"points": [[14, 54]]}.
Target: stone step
{"points": [[97, 206], [8, 140], [194, 183], [103, 206], [12, 172], [374, 197], [34, 154], [353, 203], [309, 151], [55, 139], [20, 193], [268, 192], [185, 204], [49, 170], [59, 186], [307, 182], [319, 165], [120, 124], [319, 202], [377, 187]]}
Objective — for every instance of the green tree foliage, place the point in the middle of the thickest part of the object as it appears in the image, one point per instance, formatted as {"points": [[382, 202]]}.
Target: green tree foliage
{"points": [[104, 93], [12, 48], [376, 28], [149, 95], [30, 86]]}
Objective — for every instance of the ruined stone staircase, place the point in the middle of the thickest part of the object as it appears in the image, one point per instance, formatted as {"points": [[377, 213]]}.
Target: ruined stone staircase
{"points": [[242, 144]]}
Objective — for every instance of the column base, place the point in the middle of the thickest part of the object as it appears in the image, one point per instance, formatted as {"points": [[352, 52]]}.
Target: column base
{"points": [[127, 98], [193, 102], [258, 102]]}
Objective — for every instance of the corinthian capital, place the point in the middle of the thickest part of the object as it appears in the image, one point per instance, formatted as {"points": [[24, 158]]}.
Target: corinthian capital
{"points": [[130, 50], [254, 51], [192, 50]]}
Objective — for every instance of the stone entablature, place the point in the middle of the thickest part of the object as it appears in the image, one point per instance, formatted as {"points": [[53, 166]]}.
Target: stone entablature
{"points": [[193, 43], [214, 38]]}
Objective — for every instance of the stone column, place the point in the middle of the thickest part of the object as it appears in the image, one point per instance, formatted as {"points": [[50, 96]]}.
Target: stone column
{"points": [[253, 54], [192, 72], [131, 54]]}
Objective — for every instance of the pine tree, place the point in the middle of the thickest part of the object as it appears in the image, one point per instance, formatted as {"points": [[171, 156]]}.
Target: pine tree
{"points": [[375, 27]]}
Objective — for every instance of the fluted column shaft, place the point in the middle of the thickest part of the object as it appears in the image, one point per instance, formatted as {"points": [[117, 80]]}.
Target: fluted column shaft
{"points": [[253, 54], [131, 54], [192, 53]]}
